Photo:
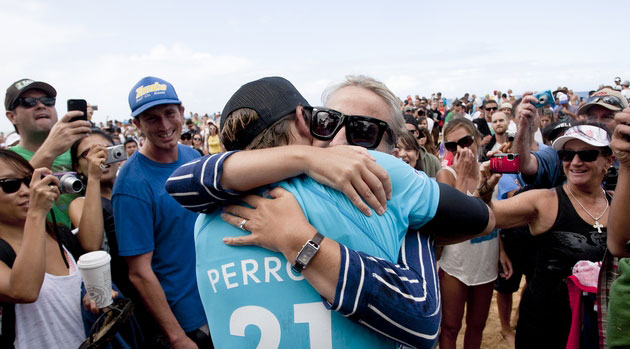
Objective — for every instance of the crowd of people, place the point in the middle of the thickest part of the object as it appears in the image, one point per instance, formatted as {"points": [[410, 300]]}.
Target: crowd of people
{"points": [[274, 214]]}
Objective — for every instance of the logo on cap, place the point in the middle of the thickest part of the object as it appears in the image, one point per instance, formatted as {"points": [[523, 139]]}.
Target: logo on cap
{"points": [[23, 83], [155, 87]]}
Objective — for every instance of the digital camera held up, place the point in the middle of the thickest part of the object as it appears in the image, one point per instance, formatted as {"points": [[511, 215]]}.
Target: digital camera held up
{"points": [[505, 163], [69, 183], [544, 98], [116, 153]]}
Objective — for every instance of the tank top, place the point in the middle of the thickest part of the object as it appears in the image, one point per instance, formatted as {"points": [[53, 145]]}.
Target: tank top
{"points": [[545, 311], [474, 261], [54, 320]]}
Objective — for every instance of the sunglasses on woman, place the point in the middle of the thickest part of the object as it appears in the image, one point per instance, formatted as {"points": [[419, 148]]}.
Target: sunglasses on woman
{"points": [[363, 131], [30, 102], [11, 185], [463, 142], [197, 139], [588, 155]]}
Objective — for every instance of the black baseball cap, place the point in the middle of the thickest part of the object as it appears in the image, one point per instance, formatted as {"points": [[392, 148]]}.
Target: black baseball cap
{"points": [[557, 129], [16, 89], [272, 98]]}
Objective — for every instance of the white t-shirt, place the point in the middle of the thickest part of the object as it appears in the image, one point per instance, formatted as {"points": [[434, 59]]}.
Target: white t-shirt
{"points": [[54, 320], [475, 261]]}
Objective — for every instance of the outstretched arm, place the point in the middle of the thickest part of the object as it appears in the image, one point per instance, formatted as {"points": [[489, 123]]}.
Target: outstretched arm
{"points": [[619, 217], [526, 114], [204, 184]]}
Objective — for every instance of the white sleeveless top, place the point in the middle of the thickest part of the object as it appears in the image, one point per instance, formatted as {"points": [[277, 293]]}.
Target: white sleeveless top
{"points": [[475, 261], [54, 320]]}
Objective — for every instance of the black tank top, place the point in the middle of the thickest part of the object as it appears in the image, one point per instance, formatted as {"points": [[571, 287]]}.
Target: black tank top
{"points": [[569, 240], [545, 311]]}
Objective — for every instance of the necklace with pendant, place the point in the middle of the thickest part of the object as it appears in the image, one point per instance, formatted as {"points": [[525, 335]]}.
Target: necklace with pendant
{"points": [[597, 225]]}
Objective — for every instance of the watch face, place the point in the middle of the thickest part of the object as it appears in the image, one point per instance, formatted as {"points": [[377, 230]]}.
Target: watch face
{"points": [[307, 253]]}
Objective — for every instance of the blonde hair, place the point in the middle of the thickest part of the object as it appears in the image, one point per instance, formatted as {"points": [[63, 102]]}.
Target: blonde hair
{"points": [[459, 121], [395, 120]]}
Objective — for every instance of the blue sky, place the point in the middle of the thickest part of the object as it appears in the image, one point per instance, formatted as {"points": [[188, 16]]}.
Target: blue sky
{"points": [[99, 50]]}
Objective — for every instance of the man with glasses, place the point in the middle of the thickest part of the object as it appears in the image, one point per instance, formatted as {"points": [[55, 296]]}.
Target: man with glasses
{"points": [[397, 301], [44, 141], [488, 107]]}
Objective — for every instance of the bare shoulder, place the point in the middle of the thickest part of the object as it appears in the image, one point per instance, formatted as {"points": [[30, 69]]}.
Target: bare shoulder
{"points": [[445, 176], [545, 202]]}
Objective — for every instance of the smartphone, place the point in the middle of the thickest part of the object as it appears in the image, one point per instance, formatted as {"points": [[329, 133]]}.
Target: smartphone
{"points": [[505, 163], [80, 105]]}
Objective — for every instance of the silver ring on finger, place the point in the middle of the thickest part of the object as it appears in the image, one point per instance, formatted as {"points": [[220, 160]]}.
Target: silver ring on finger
{"points": [[242, 224], [52, 187]]}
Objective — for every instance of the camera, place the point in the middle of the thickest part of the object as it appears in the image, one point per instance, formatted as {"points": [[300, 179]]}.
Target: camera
{"points": [[69, 183], [116, 153], [544, 98], [505, 163]]}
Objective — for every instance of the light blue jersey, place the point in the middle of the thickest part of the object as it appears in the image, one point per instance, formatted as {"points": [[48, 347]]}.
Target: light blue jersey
{"points": [[252, 297]]}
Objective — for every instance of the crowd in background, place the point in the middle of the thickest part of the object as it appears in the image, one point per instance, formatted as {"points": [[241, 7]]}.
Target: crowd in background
{"points": [[449, 139]]}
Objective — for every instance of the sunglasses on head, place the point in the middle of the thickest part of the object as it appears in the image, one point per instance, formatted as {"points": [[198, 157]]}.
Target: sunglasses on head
{"points": [[588, 155], [11, 185], [463, 142], [363, 131], [612, 100], [30, 102]]}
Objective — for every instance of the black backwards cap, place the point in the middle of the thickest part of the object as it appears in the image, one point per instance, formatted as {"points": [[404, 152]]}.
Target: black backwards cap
{"points": [[272, 98]]}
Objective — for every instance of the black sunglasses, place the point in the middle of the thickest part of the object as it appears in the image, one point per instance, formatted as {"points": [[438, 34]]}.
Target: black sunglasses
{"points": [[492, 108], [588, 155], [463, 142], [30, 102], [196, 139], [612, 100], [11, 185], [363, 131]]}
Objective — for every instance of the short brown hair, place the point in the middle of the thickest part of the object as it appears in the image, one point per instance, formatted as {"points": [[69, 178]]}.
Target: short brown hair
{"points": [[278, 134]]}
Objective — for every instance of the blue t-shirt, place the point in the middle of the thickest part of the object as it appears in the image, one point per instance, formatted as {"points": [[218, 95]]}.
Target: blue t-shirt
{"points": [[148, 219], [251, 296]]}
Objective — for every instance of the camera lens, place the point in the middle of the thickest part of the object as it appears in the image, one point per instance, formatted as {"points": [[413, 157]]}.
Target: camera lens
{"points": [[543, 99]]}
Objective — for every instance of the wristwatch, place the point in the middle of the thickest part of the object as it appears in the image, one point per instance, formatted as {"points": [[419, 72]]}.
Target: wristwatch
{"points": [[307, 252]]}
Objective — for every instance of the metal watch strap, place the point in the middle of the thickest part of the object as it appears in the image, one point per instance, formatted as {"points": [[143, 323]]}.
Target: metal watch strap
{"points": [[308, 251]]}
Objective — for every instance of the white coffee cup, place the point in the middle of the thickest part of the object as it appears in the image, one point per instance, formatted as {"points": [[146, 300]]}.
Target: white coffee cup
{"points": [[97, 277]]}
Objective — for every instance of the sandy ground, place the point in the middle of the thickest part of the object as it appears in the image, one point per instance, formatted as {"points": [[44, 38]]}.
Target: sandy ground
{"points": [[492, 333]]}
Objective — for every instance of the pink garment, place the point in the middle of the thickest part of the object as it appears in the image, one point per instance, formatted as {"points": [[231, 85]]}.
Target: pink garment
{"points": [[584, 279]]}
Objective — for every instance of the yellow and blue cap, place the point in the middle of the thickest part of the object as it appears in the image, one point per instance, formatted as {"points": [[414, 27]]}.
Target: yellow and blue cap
{"points": [[149, 92]]}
